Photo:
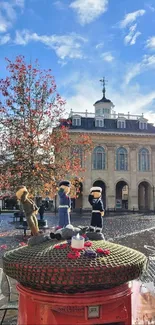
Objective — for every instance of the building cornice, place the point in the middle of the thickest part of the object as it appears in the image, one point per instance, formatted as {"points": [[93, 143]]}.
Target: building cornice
{"points": [[131, 134]]}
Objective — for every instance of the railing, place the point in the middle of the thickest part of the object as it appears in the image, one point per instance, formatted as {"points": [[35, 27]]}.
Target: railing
{"points": [[113, 115]]}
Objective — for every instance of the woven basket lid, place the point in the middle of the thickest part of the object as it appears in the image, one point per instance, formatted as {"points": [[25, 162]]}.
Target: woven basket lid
{"points": [[44, 267]]}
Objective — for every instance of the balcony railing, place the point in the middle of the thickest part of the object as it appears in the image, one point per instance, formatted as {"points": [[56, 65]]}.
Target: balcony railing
{"points": [[113, 115]]}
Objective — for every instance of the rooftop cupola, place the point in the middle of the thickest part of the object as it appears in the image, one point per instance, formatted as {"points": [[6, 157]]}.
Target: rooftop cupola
{"points": [[103, 106]]}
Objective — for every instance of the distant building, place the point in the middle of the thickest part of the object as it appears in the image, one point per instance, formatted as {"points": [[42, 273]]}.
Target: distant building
{"points": [[123, 158]]}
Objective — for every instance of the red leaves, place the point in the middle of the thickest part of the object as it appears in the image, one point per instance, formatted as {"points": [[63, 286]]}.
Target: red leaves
{"points": [[29, 109]]}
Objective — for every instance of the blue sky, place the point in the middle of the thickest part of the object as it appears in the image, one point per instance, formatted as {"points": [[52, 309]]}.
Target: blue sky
{"points": [[84, 40]]}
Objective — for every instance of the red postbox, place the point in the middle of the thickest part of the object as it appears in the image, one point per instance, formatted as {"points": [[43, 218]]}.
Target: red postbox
{"points": [[99, 307], [57, 286]]}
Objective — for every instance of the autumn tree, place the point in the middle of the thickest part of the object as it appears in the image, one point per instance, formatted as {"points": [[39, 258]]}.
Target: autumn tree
{"points": [[36, 148]]}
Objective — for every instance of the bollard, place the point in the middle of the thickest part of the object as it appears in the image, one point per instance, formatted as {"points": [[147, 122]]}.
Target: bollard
{"points": [[111, 306]]}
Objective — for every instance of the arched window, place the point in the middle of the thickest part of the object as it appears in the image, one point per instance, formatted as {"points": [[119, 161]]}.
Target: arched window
{"points": [[121, 159], [99, 158], [77, 155], [144, 160]]}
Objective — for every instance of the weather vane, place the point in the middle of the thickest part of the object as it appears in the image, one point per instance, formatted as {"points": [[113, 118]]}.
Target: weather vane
{"points": [[104, 82]]}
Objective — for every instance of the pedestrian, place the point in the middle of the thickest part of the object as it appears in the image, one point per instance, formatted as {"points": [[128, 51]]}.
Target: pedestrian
{"points": [[41, 211], [96, 202], [64, 203]]}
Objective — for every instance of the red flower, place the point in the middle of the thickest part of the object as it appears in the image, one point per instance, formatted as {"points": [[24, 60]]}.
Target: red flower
{"points": [[74, 255], [64, 245], [103, 251], [3, 246], [88, 244], [57, 246], [84, 235], [76, 249], [22, 244], [60, 246]]}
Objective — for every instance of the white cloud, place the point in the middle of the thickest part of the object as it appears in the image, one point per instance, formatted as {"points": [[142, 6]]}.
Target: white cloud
{"points": [[62, 63], [150, 43], [19, 3], [8, 13], [107, 56], [151, 7], [128, 99], [89, 10], [65, 46], [132, 36], [131, 17], [4, 39], [148, 62], [59, 5], [99, 45]]}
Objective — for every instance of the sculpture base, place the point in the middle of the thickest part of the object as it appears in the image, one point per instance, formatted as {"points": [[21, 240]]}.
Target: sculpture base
{"points": [[97, 307]]}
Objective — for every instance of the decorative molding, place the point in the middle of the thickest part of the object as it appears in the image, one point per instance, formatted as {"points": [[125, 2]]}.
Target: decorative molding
{"points": [[110, 146], [133, 146], [104, 133]]}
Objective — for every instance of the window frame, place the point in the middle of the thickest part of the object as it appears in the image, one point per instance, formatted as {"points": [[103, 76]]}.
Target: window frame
{"points": [[99, 164], [142, 125], [77, 120], [119, 159], [144, 160], [121, 122], [98, 120]]}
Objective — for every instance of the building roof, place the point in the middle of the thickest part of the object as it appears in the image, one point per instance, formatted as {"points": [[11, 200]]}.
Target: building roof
{"points": [[110, 125], [103, 100]]}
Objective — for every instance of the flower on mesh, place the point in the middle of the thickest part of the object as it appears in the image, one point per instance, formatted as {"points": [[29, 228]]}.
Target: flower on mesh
{"points": [[88, 244], [3, 246], [60, 246], [85, 237], [90, 253], [22, 244], [103, 251], [76, 249], [58, 227], [74, 255]]}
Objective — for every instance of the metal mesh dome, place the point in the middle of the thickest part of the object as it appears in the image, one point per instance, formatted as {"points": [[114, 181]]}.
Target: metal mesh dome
{"points": [[45, 268]]}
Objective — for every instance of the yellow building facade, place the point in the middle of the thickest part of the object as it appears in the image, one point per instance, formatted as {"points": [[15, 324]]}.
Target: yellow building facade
{"points": [[122, 160]]}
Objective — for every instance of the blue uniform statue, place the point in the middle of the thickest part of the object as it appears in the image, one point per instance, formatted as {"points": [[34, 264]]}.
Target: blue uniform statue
{"points": [[97, 209], [64, 203]]}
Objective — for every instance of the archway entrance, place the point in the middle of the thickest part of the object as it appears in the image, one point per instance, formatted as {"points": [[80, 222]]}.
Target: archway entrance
{"points": [[103, 186], [144, 191], [122, 194]]}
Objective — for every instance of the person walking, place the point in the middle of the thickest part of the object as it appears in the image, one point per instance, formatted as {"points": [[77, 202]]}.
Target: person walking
{"points": [[41, 211]]}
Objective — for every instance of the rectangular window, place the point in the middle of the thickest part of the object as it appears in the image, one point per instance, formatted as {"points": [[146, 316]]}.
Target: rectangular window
{"points": [[121, 124], [99, 123], [99, 160], [143, 125], [76, 121]]}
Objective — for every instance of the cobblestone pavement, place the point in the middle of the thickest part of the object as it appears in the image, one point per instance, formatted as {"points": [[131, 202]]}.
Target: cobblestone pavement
{"points": [[133, 231]]}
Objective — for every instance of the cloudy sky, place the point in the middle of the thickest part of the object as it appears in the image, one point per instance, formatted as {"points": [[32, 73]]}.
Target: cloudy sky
{"points": [[84, 40]]}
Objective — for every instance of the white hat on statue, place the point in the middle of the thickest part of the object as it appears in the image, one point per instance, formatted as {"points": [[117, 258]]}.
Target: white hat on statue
{"points": [[96, 189]]}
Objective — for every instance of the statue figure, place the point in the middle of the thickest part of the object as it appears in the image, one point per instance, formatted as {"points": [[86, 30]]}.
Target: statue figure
{"points": [[97, 209]]}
